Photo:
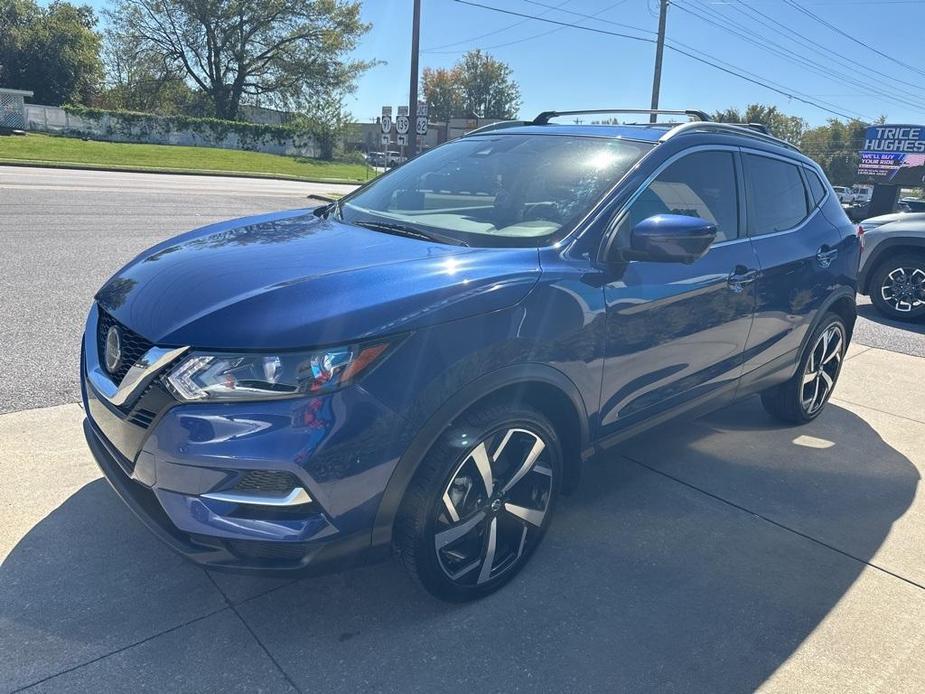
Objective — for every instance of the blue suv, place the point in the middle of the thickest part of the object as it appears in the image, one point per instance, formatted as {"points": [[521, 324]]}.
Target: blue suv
{"points": [[423, 366]]}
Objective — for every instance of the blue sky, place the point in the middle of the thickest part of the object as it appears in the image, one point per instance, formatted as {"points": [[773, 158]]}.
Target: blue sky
{"points": [[565, 68], [570, 68]]}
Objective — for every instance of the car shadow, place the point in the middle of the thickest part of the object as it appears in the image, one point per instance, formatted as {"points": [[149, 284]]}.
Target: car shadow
{"points": [[870, 313], [643, 583]]}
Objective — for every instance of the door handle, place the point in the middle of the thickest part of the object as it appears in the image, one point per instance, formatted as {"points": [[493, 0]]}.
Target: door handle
{"points": [[825, 255], [741, 277]]}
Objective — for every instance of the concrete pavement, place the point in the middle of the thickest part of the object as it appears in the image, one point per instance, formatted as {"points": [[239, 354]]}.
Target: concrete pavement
{"points": [[730, 555]]}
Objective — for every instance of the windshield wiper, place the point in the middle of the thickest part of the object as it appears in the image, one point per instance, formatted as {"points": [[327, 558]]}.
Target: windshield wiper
{"points": [[404, 230]]}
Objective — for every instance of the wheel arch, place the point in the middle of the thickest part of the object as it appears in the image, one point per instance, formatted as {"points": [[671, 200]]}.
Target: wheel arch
{"points": [[882, 252], [542, 386]]}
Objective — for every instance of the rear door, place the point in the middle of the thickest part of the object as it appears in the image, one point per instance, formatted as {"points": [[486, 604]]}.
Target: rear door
{"points": [[796, 248], [676, 332]]}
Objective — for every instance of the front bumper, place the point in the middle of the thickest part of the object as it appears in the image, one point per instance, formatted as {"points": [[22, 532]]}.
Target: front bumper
{"points": [[341, 448]]}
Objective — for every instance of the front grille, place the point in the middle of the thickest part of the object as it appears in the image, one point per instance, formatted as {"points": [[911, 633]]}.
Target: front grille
{"points": [[267, 481], [133, 345]]}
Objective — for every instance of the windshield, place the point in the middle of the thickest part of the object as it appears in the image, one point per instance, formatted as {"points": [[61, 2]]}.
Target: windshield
{"points": [[501, 190]]}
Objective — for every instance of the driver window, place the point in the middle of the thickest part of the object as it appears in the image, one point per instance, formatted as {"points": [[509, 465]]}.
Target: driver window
{"points": [[702, 184]]}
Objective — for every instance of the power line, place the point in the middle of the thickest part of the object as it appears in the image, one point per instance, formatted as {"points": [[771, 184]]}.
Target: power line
{"points": [[435, 49], [542, 33], [695, 50], [757, 39], [810, 42], [718, 64], [824, 22]]}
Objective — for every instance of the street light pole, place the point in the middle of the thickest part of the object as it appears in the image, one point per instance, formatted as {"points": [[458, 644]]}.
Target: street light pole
{"points": [[413, 90], [659, 50]]}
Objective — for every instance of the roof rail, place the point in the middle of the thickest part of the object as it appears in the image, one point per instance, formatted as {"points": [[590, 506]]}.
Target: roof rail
{"points": [[546, 116], [754, 130], [500, 125]]}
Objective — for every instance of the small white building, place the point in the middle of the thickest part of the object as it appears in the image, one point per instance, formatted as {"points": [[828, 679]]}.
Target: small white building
{"points": [[13, 108]]}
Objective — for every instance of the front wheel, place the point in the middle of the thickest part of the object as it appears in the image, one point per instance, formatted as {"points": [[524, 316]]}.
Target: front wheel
{"points": [[897, 286], [481, 502], [802, 398]]}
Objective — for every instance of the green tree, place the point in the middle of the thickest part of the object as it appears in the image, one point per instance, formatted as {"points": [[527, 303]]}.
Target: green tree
{"points": [[835, 146], [52, 51], [488, 89], [441, 89], [789, 128], [284, 52], [139, 80], [478, 84]]}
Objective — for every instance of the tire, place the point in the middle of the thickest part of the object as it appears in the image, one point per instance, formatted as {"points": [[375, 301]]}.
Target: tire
{"points": [[897, 286], [803, 397], [462, 537]]}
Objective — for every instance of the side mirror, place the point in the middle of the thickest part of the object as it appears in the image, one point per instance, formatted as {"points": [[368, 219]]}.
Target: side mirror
{"points": [[670, 238]]}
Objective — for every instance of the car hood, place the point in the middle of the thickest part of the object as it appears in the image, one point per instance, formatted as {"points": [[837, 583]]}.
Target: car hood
{"points": [[894, 217], [293, 280]]}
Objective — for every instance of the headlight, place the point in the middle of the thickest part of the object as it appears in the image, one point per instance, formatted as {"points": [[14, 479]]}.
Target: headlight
{"points": [[218, 376]]}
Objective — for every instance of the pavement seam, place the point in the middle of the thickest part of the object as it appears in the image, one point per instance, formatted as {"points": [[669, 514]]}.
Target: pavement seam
{"points": [[234, 609], [775, 523], [867, 348], [118, 650], [874, 409]]}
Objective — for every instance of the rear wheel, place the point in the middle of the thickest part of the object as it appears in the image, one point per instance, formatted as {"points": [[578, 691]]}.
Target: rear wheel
{"points": [[802, 398], [897, 286], [481, 502]]}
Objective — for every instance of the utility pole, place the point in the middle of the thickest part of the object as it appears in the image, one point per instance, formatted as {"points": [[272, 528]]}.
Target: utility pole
{"points": [[659, 49], [413, 90]]}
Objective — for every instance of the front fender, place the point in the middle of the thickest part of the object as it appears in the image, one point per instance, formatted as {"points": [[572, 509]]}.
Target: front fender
{"points": [[458, 403]]}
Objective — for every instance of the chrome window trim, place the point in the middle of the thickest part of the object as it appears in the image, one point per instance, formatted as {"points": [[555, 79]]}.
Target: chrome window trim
{"points": [[139, 375]]}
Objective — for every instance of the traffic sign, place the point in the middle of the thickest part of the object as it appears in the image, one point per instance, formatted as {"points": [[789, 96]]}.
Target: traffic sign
{"points": [[422, 108], [420, 125], [402, 110], [384, 139], [401, 140], [402, 124], [385, 123]]}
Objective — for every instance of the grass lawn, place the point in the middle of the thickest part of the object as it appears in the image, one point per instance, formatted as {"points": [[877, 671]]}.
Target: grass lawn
{"points": [[46, 150]]}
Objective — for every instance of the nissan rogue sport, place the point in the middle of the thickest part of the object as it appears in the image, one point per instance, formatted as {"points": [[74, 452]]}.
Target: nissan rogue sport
{"points": [[423, 366]]}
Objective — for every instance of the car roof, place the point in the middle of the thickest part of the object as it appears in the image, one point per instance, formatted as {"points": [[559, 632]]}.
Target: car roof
{"points": [[644, 133], [747, 134]]}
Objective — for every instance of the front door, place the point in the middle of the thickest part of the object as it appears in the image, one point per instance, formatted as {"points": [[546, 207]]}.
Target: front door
{"points": [[676, 332]]}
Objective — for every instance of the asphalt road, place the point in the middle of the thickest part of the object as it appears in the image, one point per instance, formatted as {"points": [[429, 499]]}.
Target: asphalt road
{"points": [[64, 232]]}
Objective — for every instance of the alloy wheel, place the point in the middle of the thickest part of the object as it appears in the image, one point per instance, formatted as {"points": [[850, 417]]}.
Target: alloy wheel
{"points": [[494, 506], [822, 368], [903, 289]]}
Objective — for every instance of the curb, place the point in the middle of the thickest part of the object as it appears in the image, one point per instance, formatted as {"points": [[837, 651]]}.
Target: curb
{"points": [[42, 164]]}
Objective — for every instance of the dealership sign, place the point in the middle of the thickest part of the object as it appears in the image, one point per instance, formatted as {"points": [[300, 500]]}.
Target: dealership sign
{"points": [[894, 154]]}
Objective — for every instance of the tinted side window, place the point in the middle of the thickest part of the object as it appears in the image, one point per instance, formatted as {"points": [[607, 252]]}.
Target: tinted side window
{"points": [[776, 195], [702, 184], [816, 186]]}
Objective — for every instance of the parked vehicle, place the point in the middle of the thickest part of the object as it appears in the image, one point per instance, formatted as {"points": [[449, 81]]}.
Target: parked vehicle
{"points": [[842, 193], [861, 194], [377, 158], [911, 205], [893, 264], [424, 372]]}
